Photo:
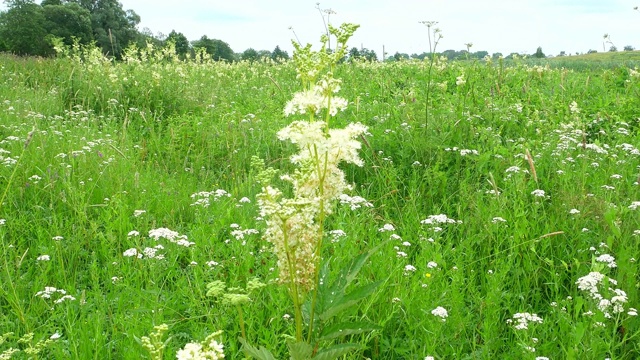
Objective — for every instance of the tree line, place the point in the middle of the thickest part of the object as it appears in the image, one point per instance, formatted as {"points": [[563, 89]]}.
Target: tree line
{"points": [[29, 29]]}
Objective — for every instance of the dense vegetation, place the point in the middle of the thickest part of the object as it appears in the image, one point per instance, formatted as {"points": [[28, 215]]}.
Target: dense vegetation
{"points": [[502, 196]]}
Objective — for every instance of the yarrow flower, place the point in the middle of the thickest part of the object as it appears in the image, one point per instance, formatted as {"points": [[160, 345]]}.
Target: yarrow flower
{"points": [[521, 321], [441, 313]]}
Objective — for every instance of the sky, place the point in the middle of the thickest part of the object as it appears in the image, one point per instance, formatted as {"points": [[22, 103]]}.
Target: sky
{"points": [[492, 25]]}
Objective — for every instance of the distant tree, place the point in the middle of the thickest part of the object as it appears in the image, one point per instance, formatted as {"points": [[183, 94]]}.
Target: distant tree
{"points": [[539, 54], [399, 56], [629, 48], [613, 48], [591, 51], [480, 54], [180, 41], [562, 53], [250, 55], [354, 53], [67, 21], [218, 49], [113, 27], [277, 54], [22, 28], [496, 55], [146, 36]]}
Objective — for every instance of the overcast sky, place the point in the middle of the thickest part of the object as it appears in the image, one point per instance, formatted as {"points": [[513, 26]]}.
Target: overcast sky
{"points": [[493, 25]]}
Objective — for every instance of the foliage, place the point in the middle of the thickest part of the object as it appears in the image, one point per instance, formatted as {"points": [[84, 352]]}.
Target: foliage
{"points": [[218, 49], [174, 137], [22, 27]]}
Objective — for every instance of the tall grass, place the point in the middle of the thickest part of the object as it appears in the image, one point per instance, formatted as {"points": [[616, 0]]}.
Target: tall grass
{"points": [[152, 132]]}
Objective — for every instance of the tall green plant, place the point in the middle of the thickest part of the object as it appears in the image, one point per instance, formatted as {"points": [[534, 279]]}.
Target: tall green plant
{"points": [[295, 225]]}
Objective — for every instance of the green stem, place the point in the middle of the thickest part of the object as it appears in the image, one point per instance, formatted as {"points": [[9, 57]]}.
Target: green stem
{"points": [[241, 318], [293, 286]]}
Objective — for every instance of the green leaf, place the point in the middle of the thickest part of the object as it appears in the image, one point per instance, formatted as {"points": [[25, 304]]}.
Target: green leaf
{"points": [[299, 350], [260, 354], [343, 302], [336, 351], [344, 329]]}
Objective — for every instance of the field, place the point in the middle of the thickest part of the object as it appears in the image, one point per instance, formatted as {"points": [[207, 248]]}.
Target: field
{"points": [[504, 220]]}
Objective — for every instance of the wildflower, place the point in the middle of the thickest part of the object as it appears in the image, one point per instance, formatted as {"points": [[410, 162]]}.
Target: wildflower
{"points": [[244, 200], [432, 265], [409, 269], [608, 259], [131, 252], [3, 221], [441, 313], [522, 320], [55, 336], [498, 219], [387, 227], [137, 213], [573, 107], [57, 238], [43, 258], [133, 233], [538, 193], [574, 211], [634, 205], [429, 358], [439, 219]]}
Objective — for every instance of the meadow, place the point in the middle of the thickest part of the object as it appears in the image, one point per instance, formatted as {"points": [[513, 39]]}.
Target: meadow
{"points": [[501, 217]]}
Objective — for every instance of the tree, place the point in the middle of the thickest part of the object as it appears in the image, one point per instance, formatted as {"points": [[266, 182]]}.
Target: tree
{"points": [[218, 49], [113, 27], [562, 53], [22, 29], [539, 54], [629, 48], [613, 48], [180, 41], [278, 55], [68, 21], [250, 55]]}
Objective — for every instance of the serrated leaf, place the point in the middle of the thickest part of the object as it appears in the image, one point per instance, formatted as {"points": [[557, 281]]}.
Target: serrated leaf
{"points": [[260, 354], [344, 329], [299, 350], [336, 351], [333, 308]]}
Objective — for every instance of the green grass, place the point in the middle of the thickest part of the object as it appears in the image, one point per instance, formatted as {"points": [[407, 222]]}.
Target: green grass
{"points": [[111, 139]]}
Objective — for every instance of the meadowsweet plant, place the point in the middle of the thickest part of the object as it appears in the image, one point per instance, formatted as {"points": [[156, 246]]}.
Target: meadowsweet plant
{"points": [[295, 225]]}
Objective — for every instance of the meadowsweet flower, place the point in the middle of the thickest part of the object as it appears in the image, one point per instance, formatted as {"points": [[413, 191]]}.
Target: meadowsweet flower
{"points": [[441, 313], [573, 107]]}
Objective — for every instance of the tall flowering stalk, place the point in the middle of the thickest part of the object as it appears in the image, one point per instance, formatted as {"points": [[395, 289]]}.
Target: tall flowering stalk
{"points": [[295, 225]]}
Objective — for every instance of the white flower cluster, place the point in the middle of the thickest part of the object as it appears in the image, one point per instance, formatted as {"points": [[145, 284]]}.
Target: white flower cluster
{"points": [[521, 321], [314, 100], [441, 313], [354, 202], [292, 225], [172, 236], [439, 219], [615, 298], [203, 198], [196, 351], [49, 291]]}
